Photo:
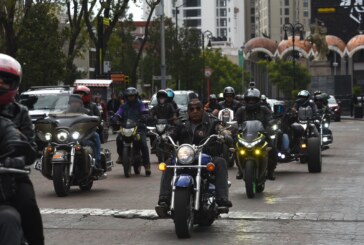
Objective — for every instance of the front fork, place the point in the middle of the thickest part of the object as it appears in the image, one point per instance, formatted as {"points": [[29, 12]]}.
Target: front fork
{"points": [[72, 160]]}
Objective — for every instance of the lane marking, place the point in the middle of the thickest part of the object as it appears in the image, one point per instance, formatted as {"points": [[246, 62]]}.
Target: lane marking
{"points": [[233, 215]]}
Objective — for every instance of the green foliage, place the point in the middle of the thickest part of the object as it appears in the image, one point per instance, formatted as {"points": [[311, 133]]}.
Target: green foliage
{"points": [[357, 90], [40, 47], [281, 74]]}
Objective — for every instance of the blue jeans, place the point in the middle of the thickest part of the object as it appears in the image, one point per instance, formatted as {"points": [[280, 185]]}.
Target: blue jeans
{"points": [[95, 143]]}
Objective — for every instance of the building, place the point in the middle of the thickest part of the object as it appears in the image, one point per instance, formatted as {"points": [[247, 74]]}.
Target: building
{"points": [[268, 16], [224, 18]]}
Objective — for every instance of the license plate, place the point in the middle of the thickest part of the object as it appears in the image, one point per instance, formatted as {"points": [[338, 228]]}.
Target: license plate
{"points": [[38, 165]]}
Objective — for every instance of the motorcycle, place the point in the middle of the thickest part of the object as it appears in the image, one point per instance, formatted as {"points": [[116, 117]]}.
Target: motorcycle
{"points": [[252, 154], [323, 124], [69, 158], [163, 150], [131, 154], [306, 145], [193, 190], [226, 116]]}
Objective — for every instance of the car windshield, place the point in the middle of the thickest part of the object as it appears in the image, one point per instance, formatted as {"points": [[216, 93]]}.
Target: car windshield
{"points": [[45, 102], [332, 100], [180, 99]]}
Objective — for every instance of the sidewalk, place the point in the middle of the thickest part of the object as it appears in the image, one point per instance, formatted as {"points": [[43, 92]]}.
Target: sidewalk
{"points": [[351, 118]]}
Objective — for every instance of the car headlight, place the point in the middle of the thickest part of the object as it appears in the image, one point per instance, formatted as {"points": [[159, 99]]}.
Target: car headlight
{"points": [[62, 136], [160, 127], [75, 135], [185, 154], [48, 136], [127, 132], [326, 125]]}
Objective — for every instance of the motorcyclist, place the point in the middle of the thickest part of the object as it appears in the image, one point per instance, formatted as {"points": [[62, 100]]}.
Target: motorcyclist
{"points": [[198, 127], [263, 101], [86, 96], [24, 200], [229, 100], [212, 106], [170, 94], [114, 103], [135, 110], [163, 110], [303, 100], [254, 110]]}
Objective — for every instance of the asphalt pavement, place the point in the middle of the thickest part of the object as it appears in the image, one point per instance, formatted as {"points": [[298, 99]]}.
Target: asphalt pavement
{"points": [[297, 208]]}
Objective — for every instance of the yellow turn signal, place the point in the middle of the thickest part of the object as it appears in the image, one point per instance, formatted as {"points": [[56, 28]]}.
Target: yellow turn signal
{"points": [[162, 167], [257, 152], [242, 152], [210, 167]]}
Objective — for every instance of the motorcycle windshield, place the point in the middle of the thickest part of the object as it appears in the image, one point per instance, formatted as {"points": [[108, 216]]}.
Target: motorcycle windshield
{"points": [[72, 122], [251, 129]]}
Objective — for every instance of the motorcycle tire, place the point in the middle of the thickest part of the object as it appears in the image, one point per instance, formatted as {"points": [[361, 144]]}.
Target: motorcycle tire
{"points": [[250, 182], [260, 188], [86, 187], [314, 158], [126, 158], [61, 180], [183, 215], [303, 159]]}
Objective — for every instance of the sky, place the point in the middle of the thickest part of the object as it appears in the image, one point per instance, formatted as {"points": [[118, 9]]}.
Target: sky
{"points": [[136, 11]]}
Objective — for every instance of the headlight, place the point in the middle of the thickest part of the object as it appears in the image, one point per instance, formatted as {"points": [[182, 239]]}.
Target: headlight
{"points": [[273, 137], [249, 145], [75, 135], [326, 125], [274, 127], [185, 154], [48, 136], [160, 127], [62, 136], [127, 132]]}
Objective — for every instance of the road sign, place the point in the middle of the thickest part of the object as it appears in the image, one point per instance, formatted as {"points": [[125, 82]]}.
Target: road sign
{"points": [[208, 72], [106, 21], [168, 77]]}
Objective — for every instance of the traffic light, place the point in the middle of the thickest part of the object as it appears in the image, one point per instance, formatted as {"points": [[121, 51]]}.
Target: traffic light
{"points": [[126, 79]]}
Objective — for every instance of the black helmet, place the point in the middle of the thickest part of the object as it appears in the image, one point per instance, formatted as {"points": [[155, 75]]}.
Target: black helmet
{"points": [[213, 97], [229, 90], [131, 91], [303, 97], [252, 99], [317, 92], [162, 93], [239, 97]]}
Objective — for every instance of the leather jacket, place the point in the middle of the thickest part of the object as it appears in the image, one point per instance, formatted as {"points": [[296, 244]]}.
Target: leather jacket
{"points": [[234, 105], [19, 115], [262, 113]]}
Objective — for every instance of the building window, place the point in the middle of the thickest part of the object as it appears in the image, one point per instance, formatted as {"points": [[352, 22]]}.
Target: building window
{"points": [[193, 3], [252, 11], [192, 23], [305, 3], [286, 11], [286, 2], [222, 12], [192, 13], [221, 3], [305, 13], [286, 20]]}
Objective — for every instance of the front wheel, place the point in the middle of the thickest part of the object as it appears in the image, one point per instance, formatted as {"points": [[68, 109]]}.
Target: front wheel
{"points": [[61, 180], [250, 182], [126, 161], [183, 213], [314, 158]]}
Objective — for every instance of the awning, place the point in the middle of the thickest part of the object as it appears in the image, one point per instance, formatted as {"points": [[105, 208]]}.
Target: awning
{"points": [[92, 82]]}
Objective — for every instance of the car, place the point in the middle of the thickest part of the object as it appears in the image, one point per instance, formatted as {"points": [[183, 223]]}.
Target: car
{"points": [[42, 100], [181, 97], [335, 107]]}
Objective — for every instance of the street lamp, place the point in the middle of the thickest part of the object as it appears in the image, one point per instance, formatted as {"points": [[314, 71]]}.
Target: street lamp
{"points": [[293, 28], [209, 35]]}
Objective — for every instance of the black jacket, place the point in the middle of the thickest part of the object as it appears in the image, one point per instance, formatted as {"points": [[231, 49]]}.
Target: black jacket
{"points": [[185, 133], [262, 114], [19, 115], [162, 111], [94, 110], [234, 105]]}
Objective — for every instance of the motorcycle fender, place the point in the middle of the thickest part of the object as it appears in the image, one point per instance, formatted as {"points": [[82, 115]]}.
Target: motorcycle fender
{"points": [[184, 181], [59, 157]]}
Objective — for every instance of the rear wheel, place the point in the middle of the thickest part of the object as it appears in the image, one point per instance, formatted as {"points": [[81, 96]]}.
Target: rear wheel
{"points": [[126, 161], [183, 214], [61, 179], [250, 182], [314, 158]]}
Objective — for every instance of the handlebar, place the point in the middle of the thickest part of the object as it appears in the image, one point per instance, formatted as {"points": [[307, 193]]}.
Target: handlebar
{"points": [[199, 146]]}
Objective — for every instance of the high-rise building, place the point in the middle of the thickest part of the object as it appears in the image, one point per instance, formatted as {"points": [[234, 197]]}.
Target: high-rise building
{"points": [[268, 16], [224, 18]]}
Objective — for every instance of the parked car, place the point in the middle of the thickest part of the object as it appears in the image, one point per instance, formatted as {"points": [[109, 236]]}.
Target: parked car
{"points": [[335, 107], [181, 97]]}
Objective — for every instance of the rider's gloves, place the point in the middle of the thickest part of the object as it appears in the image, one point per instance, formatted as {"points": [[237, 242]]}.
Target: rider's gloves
{"points": [[14, 162]]}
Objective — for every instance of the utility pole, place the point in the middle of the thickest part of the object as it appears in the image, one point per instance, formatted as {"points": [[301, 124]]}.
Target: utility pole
{"points": [[163, 49]]}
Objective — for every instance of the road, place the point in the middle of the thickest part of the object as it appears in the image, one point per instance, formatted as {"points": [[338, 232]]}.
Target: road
{"points": [[297, 208]]}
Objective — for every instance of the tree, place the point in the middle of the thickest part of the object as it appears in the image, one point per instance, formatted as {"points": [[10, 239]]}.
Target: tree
{"points": [[281, 74], [40, 46]]}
